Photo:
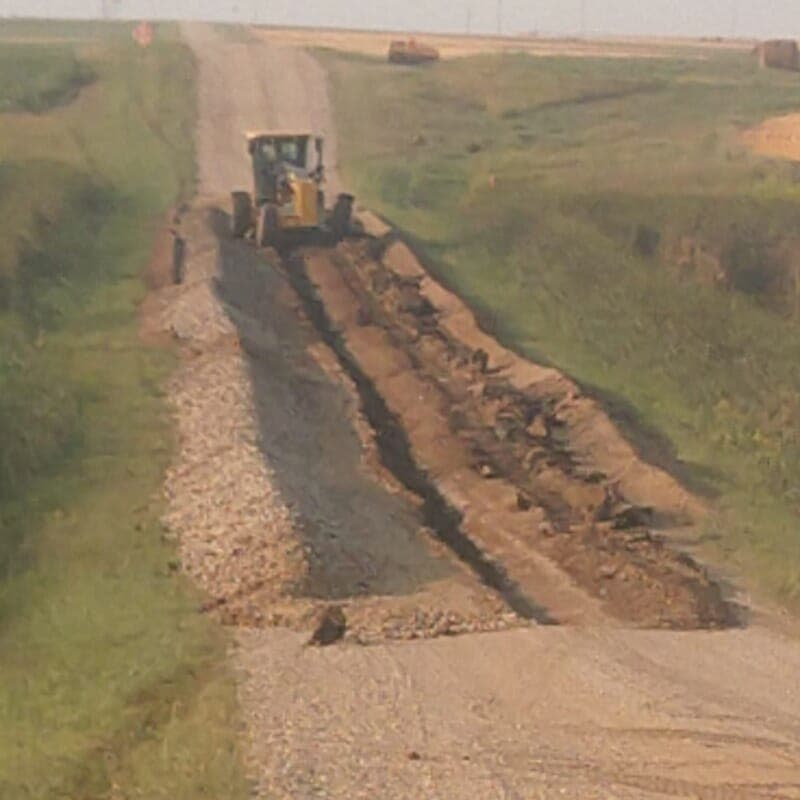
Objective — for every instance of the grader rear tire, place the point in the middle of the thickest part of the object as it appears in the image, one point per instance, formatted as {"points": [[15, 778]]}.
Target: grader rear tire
{"points": [[242, 216]]}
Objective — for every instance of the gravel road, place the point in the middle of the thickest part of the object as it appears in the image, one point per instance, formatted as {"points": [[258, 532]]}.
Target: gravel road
{"points": [[535, 712]]}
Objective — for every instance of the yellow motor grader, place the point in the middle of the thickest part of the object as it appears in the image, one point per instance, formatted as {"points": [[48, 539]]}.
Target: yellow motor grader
{"points": [[287, 198]]}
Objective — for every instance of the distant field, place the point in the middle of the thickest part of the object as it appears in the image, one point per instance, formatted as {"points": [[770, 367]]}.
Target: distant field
{"points": [[376, 43], [111, 684], [605, 216]]}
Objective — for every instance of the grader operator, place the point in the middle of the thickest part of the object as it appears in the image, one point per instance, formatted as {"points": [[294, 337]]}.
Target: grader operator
{"points": [[287, 198]]}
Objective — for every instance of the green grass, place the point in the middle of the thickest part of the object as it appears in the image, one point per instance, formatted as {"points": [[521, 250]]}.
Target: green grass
{"points": [[601, 168], [112, 684], [67, 30]]}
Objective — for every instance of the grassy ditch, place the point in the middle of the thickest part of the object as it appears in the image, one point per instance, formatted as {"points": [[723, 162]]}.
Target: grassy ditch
{"points": [[603, 216], [37, 78], [111, 684]]}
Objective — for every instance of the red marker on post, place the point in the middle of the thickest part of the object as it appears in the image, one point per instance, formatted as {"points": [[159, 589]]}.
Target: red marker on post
{"points": [[143, 34]]}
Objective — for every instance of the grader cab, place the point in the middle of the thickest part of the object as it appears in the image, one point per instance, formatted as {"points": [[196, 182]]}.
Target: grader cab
{"points": [[287, 197]]}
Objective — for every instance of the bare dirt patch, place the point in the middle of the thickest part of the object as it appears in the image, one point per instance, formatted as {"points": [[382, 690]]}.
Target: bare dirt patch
{"points": [[778, 137], [157, 275]]}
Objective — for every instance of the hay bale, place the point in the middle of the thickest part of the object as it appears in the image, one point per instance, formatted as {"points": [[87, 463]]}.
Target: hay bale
{"points": [[779, 54], [411, 52]]}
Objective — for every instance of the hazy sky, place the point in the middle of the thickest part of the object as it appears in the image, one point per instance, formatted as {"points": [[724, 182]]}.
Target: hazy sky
{"points": [[684, 17]]}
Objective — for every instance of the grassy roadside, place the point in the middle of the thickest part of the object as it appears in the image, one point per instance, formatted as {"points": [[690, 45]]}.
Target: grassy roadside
{"points": [[629, 238], [111, 685]]}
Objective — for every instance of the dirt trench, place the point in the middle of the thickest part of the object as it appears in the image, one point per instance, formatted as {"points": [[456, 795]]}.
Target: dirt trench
{"points": [[502, 483]]}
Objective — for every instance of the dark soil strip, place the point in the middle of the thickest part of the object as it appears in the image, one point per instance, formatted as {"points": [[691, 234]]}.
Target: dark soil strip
{"points": [[395, 454]]}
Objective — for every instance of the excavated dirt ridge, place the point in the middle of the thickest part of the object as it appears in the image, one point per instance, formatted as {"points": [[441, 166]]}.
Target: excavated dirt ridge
{"points": [[502, 477]]}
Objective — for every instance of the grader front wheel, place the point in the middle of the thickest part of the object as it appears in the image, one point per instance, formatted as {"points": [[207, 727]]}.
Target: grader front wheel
{"points": [[267, 228], [242, 216], [342, 216]]}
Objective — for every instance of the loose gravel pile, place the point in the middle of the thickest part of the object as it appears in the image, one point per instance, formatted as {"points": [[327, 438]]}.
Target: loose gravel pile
{"points": [[236, 534]]}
